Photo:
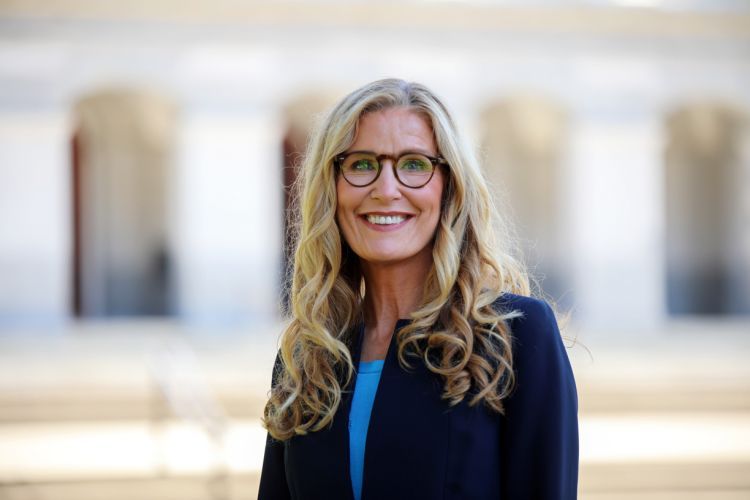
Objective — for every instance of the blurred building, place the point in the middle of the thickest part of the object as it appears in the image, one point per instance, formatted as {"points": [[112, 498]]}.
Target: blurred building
{"points": [[145, 147]]}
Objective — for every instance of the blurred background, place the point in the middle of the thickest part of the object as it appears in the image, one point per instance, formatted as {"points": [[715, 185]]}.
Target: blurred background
{"points": [[146, 149]]}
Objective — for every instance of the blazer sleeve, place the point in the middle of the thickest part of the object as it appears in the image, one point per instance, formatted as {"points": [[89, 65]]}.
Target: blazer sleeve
{"points": [[540, 435], [273, 485]]}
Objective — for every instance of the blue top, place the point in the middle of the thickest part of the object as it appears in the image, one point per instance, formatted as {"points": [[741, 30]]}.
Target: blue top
{"points": [[359, 418]]}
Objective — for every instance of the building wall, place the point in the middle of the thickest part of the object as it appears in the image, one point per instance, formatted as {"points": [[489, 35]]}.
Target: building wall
{"points": [[232, 72]]}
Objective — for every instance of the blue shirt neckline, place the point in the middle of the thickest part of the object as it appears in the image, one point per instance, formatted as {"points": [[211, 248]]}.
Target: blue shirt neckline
{"points": [[374, 366]]}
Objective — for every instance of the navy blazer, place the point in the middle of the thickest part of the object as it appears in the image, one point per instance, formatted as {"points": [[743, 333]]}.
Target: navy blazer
{"points": [[418, 447]]}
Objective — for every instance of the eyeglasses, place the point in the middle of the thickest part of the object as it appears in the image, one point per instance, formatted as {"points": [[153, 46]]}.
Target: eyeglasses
{"points": [[413, 170]]}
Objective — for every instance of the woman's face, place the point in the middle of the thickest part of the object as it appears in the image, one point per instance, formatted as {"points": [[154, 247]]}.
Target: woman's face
{"points": [[387, 222]]}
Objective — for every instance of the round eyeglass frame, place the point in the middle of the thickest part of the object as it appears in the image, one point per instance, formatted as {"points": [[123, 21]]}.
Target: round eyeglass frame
{"points": [[436, 161]]}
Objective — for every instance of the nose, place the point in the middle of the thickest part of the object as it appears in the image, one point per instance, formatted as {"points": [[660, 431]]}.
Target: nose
{"points": [[387, 186]]}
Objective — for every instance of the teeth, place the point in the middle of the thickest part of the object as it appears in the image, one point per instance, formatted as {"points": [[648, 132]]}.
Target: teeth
{"points": [[386, 219]]}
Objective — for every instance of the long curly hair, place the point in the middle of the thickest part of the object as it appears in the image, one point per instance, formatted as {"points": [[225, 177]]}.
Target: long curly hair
{"points": [[456, 332]]}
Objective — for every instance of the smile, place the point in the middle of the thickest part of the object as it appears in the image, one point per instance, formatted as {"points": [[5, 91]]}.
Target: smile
{"points": [[385, 220]]}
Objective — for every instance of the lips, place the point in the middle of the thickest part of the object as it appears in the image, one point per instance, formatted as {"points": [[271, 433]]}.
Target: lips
{"points": [[385, 219]]}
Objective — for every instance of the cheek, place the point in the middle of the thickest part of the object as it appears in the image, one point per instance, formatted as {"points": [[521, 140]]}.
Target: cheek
{"points": [[436, 204], [436, 198], [431, 212], [344, 206], [340, 200], [435, 221]]}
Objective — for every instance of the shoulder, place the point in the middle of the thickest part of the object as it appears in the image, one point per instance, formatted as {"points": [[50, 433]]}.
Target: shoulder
{"points": [[510, 301], [540, 423], [533, 326], [540, 359], [525, 313]]}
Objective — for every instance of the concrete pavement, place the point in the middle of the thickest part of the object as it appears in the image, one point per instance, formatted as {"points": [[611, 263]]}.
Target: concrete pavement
{"points": [[154, 409]]}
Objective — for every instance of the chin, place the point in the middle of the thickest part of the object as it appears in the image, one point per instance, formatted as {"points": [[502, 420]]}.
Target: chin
{"points": [[383, 258], [394, 256]]}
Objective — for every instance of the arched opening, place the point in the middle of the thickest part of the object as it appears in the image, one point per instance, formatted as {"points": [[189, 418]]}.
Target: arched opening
{"points": [[121, 152], [523, 144], [707, 188]]}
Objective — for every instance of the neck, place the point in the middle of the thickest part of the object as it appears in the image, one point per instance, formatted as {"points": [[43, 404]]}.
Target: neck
{"points": [[394, 290]]}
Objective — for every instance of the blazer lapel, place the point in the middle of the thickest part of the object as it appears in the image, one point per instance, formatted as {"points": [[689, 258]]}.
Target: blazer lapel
{"points": [[374, 465], [406, 452], [340, 427]]}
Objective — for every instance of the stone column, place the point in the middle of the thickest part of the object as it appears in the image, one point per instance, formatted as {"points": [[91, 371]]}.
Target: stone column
{"points": [[614, 171], [227, 215], [35, 217]]}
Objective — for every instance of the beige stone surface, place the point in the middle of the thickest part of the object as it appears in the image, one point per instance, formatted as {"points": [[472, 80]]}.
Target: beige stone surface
{"points": [[158, 410]]}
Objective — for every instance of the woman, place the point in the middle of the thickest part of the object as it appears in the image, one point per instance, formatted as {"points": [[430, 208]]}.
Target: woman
{"points": [[415, 364]]}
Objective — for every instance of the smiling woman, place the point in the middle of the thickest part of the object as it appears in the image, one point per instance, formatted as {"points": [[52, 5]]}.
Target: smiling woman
{"points": [[385, 222], [416, 364]]}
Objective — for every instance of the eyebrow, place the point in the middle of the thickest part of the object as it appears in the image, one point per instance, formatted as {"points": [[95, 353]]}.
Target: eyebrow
{"points": [[401, 153]]}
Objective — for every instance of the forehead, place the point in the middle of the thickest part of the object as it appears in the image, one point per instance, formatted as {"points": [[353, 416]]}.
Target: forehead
{"points": [[393, 130]]}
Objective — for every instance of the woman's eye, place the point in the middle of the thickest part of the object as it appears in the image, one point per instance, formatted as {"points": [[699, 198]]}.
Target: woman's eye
{"points": [[361, 165], [415, 165]]}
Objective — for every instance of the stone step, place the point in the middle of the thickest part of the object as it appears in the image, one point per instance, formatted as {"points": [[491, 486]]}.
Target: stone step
{"points": [[693, 481], [652, 479], [662, 397], [174, 487], [646, 454], [82, 417], [68, 404], [101, 405]]}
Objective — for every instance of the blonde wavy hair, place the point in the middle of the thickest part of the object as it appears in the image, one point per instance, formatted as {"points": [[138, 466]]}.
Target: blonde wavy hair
{"points": [[456, 332]]}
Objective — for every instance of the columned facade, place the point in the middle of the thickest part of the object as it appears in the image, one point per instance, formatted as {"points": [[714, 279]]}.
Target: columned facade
{"points": [[600, 127]]}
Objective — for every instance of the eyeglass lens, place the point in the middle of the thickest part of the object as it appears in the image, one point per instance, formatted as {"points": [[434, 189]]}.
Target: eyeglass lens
{"points": [[413, 170]]}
